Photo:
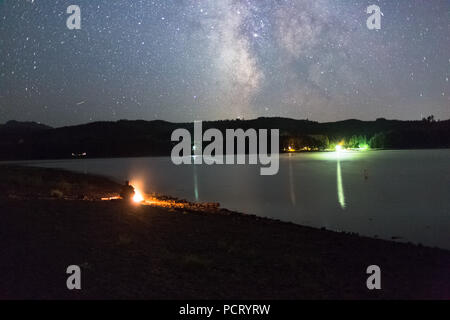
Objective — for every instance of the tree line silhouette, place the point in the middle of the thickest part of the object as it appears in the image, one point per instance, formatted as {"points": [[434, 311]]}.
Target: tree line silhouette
{"points": [[124, 138]]}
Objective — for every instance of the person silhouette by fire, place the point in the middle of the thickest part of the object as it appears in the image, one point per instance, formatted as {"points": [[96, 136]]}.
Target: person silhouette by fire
{"points": [[127, 192]]}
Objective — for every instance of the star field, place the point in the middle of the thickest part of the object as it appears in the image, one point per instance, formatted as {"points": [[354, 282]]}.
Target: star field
{"points": [[191, 60]]}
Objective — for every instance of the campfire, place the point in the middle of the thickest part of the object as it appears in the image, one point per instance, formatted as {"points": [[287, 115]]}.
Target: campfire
{"points": [[140, 198]]}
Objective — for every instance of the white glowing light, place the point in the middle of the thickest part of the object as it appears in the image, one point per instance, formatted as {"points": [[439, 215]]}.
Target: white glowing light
{"points": [[138, 196]]}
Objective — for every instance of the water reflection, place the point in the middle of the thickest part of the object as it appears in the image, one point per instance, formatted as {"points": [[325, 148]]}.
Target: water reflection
{"points": [[291, 183], [396, 177], [340, 187], [196, 197]]}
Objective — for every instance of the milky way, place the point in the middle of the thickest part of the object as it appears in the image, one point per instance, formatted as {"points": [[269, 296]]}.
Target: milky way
{"points": [[191, 60]]}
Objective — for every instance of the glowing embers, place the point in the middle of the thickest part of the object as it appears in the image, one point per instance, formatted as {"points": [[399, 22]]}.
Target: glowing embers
{"points": [[138, 197]]}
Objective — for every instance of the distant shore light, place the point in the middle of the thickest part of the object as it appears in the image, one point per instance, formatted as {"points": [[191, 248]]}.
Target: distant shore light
{"points": [[364, 146]]}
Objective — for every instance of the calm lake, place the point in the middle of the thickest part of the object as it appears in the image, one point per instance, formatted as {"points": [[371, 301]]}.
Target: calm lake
{"points": [[399, 195]]}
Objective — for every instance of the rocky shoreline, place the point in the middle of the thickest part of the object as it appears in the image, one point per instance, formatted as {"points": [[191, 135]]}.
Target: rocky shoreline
{"points": [[174, 249]]}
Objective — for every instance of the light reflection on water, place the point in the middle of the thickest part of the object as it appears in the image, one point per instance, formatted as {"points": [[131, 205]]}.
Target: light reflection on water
{"points": [[196, 197], [407, 194], [340, 188], [291, 182]]}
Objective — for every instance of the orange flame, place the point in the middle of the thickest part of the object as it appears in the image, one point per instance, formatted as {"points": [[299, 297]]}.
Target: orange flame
{"points": [[138, 197]]}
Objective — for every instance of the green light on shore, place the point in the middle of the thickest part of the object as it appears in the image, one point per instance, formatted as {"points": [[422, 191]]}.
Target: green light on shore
{"points": [[364, 147]]}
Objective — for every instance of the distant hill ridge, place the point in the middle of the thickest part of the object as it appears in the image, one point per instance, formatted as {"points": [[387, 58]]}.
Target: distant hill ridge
{"points": [[31, 140], [17, 126]]}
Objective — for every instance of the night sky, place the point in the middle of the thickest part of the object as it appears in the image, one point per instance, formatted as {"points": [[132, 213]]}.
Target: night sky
{"points": [[186, 60]]}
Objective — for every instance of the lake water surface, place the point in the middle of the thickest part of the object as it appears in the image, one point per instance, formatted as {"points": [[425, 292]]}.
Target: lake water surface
{"points": [[402, 195]]}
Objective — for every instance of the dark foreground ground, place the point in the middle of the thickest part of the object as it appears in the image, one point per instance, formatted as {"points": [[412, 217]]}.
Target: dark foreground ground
{"points": [[51, 219]]}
